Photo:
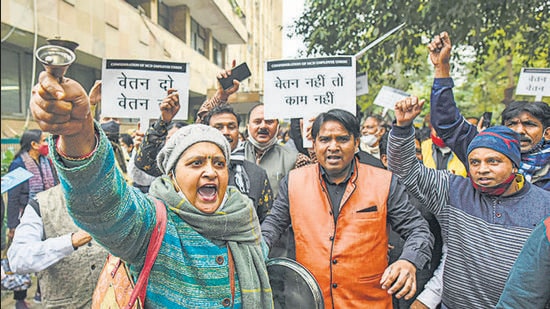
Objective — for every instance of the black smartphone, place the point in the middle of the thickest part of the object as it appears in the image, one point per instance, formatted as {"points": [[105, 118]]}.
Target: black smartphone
{"points": [[487, 116], [240, 73]]}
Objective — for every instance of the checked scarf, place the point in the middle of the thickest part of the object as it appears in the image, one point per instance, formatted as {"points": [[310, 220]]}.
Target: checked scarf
{"points": [[535, 161], [44, 177]]}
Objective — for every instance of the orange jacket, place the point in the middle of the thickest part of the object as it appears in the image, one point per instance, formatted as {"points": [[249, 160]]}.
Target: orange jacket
{"points": [[349, 258]]}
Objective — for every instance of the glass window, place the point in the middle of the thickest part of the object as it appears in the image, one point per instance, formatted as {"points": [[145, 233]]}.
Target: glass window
{"points": [[164, 16], [198, 37], [16, 80], [86, 76], [217, 53], [11, 83]]}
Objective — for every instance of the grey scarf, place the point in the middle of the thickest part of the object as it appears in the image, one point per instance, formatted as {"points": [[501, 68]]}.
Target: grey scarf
{"points": [[263, 146]]}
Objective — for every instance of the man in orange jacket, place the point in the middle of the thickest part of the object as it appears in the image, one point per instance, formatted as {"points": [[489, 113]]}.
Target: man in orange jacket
{"points": [[340, 209]]}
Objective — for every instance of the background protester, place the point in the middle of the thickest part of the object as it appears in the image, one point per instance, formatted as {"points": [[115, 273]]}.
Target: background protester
{"points": [[127, 143], [372, 130], [436, 154], [111, 127], [530, 120], [46, 242], [32, 156]]}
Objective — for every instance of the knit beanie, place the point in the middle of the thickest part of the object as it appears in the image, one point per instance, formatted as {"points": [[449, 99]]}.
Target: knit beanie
{"points": [[501, 139], [112, 130], [186, 137]]}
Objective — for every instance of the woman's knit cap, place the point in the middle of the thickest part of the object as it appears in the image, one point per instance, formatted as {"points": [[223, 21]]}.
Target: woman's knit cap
{"points": [[186, 137]]}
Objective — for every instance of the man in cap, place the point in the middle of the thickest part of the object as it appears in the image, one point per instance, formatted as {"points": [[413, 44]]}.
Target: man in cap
{"points": [[485, 219]]}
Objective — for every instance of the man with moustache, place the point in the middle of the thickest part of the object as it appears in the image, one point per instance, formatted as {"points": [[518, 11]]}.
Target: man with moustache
{"points": [[248, 177], [262, 147], [531, 120]]}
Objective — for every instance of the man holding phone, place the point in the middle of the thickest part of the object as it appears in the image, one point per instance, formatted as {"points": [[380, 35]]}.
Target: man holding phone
{"points": [[486, 120], [230, 85], [239, 73]]}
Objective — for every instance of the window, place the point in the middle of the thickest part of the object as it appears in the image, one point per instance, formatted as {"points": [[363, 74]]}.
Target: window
{"points": [[16, 79], [198, 37], [217, 53], [11, 90], [86, 76], [164, 15]]}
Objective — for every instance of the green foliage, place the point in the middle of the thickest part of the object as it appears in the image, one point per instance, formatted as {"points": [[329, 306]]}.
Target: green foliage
{"points": [[7, 157], [502, 35]]}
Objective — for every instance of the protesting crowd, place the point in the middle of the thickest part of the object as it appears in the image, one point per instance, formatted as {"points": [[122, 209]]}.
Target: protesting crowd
{"points": [[382, 214]]}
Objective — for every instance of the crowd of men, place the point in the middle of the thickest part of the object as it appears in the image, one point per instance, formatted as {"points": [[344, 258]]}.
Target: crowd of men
{"points": [[381, 217]]}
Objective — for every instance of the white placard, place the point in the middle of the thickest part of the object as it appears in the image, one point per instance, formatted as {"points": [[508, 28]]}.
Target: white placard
{"points": [[14, 178], [135, 88], [299, 87], [388, 96], [535, 82], [362, 84]]}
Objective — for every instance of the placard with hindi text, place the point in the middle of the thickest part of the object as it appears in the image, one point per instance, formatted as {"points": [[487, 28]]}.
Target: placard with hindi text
{"points": [[296, 88], [135, 88]]}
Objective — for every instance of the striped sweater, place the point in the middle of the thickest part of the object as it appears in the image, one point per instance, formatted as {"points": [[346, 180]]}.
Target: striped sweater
{"points": [[484, 234], [190, 270]]}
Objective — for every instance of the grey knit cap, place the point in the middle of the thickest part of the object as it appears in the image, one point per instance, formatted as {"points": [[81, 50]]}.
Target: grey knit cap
{"points": [[184, 138]]}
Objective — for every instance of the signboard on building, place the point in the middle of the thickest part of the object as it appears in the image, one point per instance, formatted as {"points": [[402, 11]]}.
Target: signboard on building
{"points": [[135, 88]]}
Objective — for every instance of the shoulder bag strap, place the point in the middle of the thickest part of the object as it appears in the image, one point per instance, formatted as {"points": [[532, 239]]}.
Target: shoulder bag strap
{"points": [[152, 252], [231, 264]]}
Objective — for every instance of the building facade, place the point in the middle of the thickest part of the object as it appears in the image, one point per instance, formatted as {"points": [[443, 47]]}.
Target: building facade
{"points": [[209, 35]]}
